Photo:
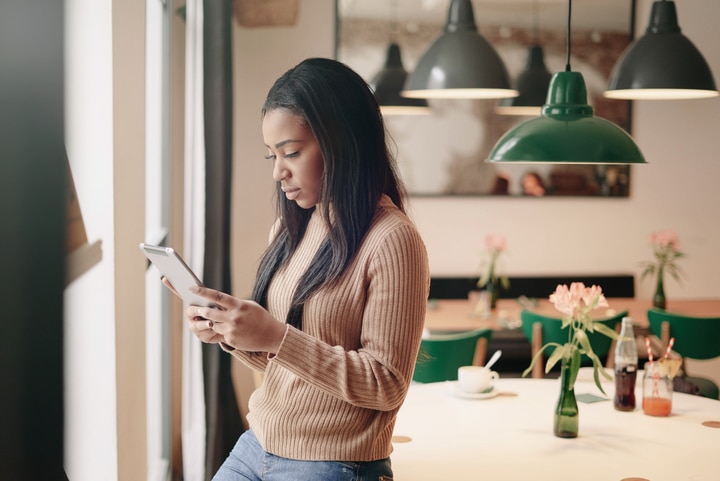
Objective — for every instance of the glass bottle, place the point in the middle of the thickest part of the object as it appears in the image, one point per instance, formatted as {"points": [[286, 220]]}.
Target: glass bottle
{"points": [[626, 364]]}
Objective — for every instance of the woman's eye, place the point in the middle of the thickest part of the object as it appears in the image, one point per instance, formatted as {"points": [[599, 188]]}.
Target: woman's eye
{"points": [[291, 155], [270, 157]]}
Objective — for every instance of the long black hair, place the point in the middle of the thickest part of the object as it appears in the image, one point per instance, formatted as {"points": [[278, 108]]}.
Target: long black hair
{"points": [[343, 114]]}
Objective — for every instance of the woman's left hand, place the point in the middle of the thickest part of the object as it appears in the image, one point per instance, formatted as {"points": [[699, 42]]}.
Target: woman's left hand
{"points": [[242, 324]]}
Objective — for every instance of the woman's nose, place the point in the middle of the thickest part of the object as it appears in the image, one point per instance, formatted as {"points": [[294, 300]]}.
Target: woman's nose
{"points": [[280, 172]]}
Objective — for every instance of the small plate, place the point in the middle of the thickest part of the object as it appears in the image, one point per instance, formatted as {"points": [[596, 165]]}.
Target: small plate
{"points": [[453, 388]]}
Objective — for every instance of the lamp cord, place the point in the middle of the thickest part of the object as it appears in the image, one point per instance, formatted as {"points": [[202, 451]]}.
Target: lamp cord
{"points": [[567, 64], [393, 21]]}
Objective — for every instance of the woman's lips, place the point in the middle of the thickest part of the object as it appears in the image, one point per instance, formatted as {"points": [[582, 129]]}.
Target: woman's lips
{"points": [[291, 193]]}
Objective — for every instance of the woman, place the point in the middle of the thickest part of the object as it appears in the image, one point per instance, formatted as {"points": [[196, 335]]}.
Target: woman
{"points": [[340, 296]]}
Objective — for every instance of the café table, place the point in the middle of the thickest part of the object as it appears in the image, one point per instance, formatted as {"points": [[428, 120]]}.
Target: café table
{"points": [[448, 315], [441, 435]]}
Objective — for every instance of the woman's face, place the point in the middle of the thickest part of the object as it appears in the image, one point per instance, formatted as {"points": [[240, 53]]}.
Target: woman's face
{"points": [[297, 160]]}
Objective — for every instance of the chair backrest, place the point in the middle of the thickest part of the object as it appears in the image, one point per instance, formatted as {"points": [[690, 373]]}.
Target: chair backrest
{"points": [[551, 331], [440, 356], [695, 337]]}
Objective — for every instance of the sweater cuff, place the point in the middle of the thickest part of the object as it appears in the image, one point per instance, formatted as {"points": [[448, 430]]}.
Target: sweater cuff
{"points": [[271, 355]]}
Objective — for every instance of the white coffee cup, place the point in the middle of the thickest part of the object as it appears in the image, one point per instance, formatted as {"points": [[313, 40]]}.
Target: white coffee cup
{"points": [[476, 379]]}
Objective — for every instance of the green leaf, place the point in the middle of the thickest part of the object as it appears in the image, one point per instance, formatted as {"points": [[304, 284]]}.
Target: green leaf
{"points": [[538, 355], [557, 354], [598, 368], [583, 340], [574, 365], [603, 329]]}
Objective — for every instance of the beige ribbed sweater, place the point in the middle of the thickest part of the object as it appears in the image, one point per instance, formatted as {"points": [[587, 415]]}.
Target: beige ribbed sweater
{"points": [[333, 390]]}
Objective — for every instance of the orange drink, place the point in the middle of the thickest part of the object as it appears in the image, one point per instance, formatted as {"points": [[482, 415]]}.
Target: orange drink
{"points": [[657, 390], [657, 406]]}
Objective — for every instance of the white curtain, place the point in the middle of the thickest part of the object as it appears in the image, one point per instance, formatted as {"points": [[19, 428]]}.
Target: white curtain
{"points": [[193, 401]]}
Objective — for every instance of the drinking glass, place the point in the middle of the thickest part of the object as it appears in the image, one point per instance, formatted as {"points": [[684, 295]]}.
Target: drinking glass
{"points": [[657, 390]]}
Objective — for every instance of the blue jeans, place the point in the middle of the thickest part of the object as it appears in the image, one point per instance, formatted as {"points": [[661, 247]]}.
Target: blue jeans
{"points": [[249, 461]]}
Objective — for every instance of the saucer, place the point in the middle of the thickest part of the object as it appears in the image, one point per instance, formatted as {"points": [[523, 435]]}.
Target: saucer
{"points": [[453, 388]]}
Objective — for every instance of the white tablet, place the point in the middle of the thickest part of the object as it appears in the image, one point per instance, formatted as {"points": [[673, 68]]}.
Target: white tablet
{"points": [[174, 268]]}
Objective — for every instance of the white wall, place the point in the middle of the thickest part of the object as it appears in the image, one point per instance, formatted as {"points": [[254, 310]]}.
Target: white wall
{"points": [[261, 55]]}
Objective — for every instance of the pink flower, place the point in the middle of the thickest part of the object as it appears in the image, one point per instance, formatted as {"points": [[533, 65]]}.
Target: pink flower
{"points": [[495, 242], [665, 238], [577, 300]]}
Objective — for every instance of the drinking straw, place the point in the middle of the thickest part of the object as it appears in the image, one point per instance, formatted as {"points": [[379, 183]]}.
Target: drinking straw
{"points": [[669, 347], [655, 373]]}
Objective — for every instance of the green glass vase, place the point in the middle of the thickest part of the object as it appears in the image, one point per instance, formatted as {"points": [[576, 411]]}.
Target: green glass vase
{"points": [[492, 287], [659, 297], [566, 412]]}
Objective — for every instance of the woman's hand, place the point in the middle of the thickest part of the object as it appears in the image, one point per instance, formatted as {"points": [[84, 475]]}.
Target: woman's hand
{"points": [[240, 324]]}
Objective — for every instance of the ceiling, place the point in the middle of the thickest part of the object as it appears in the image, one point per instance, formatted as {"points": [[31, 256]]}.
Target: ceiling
{"points": [[612, 15]]}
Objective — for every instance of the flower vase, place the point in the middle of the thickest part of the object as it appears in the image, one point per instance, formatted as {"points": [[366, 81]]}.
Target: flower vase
{"points": [[493, 289], [492, 286], [659, 297], [566, 412]]}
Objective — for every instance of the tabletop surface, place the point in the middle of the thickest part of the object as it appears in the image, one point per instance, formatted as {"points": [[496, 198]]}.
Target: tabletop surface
{"points": [[441, 436]]}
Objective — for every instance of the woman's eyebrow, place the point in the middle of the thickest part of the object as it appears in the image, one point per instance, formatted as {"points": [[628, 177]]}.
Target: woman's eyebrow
{"points": [[283, 142]]}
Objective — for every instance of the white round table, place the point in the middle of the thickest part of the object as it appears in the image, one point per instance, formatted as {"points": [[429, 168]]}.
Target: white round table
{"points": [[441, 436]]}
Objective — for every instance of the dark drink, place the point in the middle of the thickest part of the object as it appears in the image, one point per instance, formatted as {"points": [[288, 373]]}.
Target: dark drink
{"points": [[625, 388], [626, 362]]}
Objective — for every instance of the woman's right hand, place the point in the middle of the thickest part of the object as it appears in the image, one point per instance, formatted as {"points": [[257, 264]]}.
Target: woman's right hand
{"points": [[201, 327]]}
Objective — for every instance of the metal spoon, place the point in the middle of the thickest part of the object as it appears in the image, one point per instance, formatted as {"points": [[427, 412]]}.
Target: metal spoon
{"points": [[493, 359]]}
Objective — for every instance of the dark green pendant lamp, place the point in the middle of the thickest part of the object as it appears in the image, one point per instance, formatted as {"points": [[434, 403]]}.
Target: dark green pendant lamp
{"points": [[663, 64], [460, 63], [567, 131]]}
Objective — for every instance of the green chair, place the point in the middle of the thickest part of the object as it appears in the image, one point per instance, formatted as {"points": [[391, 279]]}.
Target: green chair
{"points": [[440, 356], [695, 338], [540, 329]]}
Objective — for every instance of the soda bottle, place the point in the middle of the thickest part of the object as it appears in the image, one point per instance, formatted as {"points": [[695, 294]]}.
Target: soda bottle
{"points": [[626, 364]]}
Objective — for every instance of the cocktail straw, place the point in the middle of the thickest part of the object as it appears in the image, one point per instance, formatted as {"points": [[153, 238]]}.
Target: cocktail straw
{"points": [[655, 374], [669, 347]]}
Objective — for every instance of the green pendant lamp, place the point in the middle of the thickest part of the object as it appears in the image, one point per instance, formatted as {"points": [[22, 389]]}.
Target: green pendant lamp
{"points": [[389, 82], [532, 83], [460, 63], [567, 131], [663, 64]]}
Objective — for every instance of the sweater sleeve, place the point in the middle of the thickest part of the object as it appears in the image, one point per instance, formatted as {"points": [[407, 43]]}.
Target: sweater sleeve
{"points": [[377, 373]]}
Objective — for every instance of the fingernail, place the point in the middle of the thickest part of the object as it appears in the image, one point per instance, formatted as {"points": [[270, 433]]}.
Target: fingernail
{"points": [[193, 289]]}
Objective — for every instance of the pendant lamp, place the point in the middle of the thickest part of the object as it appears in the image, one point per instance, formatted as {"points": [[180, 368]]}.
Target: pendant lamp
{"points": [[460, 63], [388, 83], [567, 131], [663, 64], [532, 83], [390, 80]]}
